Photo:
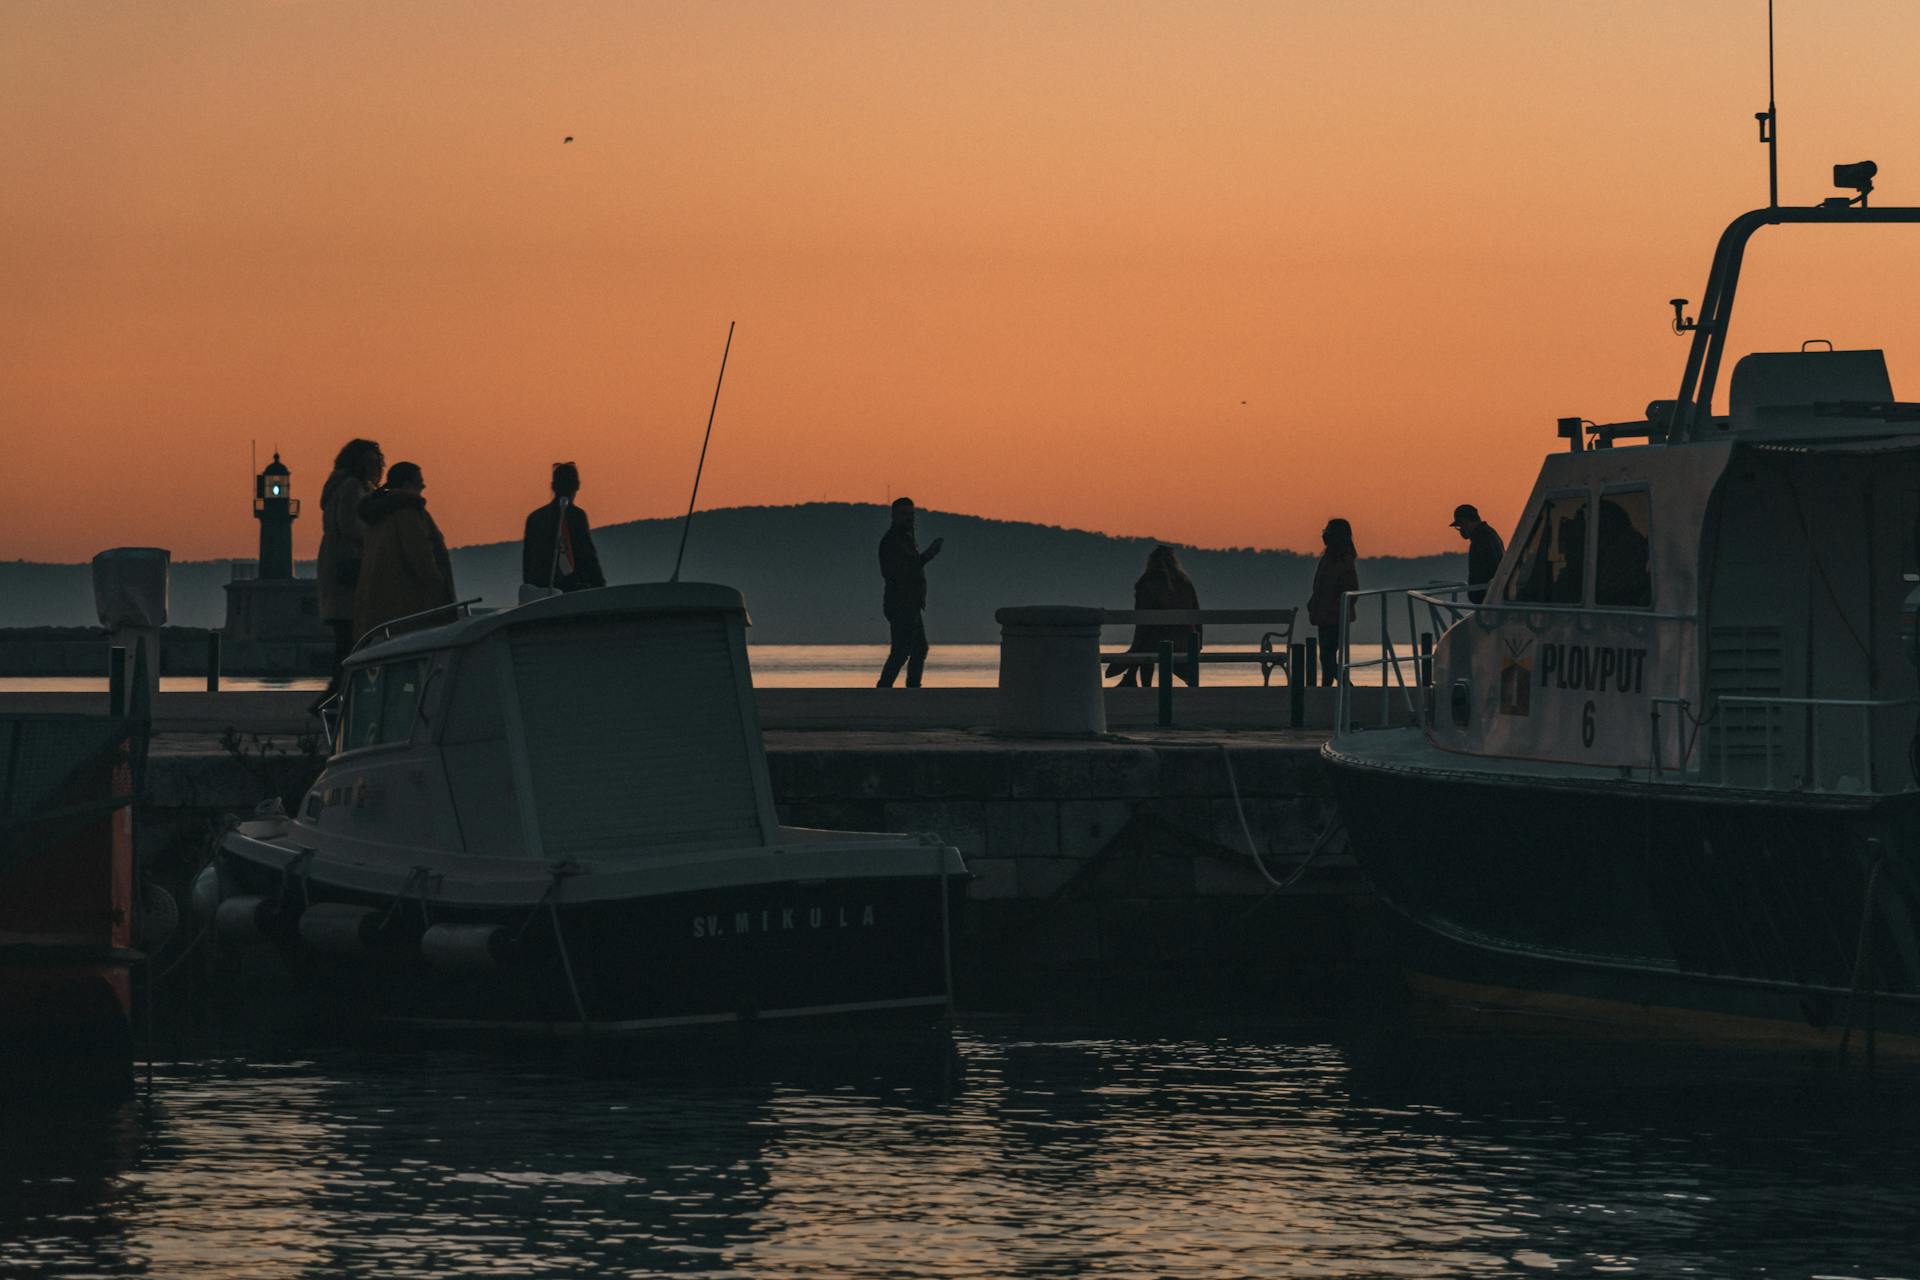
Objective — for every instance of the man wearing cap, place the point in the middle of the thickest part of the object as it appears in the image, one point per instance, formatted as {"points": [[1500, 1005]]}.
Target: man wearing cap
{"points": [[1484, 549]]}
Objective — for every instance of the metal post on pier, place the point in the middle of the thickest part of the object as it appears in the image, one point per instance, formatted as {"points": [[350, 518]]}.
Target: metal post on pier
{"points": [[1426, 659], [1309, 667], [1193, 658], [1300, 659], [116, 680], [213, 662], [1166, 683]]}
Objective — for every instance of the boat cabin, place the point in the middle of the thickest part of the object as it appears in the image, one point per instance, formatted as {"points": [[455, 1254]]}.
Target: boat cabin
{"points": [[604, 725], [1723, 603]]}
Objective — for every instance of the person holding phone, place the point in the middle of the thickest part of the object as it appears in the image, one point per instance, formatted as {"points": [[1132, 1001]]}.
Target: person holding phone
{"points": [[903, 566]]}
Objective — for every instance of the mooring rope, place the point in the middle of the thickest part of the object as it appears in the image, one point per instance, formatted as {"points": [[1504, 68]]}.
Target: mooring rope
{"points": [[1319, 844]]}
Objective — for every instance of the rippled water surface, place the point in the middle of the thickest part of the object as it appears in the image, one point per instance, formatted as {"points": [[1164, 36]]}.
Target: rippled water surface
{"points": [[1018, 1150]]}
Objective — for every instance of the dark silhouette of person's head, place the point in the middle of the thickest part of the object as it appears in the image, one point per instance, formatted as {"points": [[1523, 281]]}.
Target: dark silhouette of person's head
{"points": [[903, 511], [361, 458], [406, 477], [1162, 560], [1338, 538], [1466, 518], [566, 480]]}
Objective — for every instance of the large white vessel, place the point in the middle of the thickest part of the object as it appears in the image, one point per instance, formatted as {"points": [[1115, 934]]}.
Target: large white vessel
{"points": [[1664, 769]]}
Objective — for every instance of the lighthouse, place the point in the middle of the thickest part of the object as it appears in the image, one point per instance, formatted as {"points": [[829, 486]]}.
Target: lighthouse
{"points": [[275, 507], [273, 618]]}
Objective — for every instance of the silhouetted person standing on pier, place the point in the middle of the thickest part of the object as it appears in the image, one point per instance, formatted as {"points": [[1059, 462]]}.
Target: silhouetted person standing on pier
{"points": [[573, 564], [1337, 574], [356, 472], [406, 569], [1164, 585], [1484, 549], [904, 566]]}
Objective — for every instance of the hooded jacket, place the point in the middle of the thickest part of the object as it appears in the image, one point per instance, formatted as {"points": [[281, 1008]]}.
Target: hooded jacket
{"points": [[342, 535], [404, 565]]}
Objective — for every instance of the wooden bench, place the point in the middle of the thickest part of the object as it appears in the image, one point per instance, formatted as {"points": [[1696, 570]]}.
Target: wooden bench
{"points": [[1275, 644]]}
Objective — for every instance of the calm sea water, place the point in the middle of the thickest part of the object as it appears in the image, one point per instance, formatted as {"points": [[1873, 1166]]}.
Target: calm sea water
{"points": [[775, 666], [1019, 1150]]}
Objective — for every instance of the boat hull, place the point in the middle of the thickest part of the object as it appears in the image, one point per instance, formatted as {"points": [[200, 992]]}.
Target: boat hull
{"points": [[1728, 915], [786, 951]]}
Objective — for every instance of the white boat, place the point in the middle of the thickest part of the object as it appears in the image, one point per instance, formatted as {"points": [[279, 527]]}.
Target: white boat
{"points": [[557, 818], [1664, 772]]}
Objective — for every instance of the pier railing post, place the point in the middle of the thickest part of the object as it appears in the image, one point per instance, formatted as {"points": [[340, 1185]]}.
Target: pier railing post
{"points": [[1426, 659], [1165, 665], [213, 661], [1301, 659], [116, 680], [1309, 667], [1193, 658]]}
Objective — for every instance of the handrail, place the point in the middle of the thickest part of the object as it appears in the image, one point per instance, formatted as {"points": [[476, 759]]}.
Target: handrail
{"points": [[1810, 780], [1391, 661], [385, 629], [1516, 606]]}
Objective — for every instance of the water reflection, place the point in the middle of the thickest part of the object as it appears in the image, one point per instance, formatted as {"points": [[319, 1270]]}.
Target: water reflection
{"points": [[1260, 1151]]}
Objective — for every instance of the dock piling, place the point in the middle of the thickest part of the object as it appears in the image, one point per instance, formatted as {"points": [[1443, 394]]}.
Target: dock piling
{"points": [[116, 680], [1166, 683], [213, 661], [1300, 659]]}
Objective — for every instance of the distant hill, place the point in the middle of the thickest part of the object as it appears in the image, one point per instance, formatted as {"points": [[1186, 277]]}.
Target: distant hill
{"points": [[810, 572]]}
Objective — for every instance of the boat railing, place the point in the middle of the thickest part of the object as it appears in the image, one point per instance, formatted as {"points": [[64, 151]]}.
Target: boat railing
{"points": [[1405, 670], [459, 609], [1826, 763], [1438, 606]]}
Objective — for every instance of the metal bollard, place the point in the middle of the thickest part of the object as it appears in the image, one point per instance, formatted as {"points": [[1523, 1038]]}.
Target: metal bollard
{"points": [[1166, 683], [1426, 659], [1297, 686], [116, 680], [1193, 658], [213, 662], [1310, 663]]}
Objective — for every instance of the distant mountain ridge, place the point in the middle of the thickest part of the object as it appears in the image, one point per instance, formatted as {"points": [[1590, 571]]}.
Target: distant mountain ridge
{"points": [[810, 572]]}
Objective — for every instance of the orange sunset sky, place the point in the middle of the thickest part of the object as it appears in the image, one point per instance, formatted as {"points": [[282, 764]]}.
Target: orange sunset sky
{"points": [[1206, 271]]}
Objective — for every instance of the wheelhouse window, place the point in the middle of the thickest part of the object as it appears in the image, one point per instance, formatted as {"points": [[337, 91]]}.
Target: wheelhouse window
{"points": [[1623, 569], [1552, 566], [381, 704]]}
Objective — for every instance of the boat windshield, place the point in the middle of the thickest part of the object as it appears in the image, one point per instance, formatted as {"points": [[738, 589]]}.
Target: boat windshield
{"points": [[381, 703]]}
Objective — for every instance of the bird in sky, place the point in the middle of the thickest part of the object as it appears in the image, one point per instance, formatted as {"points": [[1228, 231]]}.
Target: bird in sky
{"points": [[568, 138]]}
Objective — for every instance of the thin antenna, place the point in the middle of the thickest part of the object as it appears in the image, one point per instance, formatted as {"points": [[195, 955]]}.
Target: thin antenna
{"points": [[688, 526], [1770, 123]]}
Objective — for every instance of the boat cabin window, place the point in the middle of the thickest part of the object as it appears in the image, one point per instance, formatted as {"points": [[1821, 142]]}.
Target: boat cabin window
{"points": [[1622, 575], [381, 703], [1552, 567]]}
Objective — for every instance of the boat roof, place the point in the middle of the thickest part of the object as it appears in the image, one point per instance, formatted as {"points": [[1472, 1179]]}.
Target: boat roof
{"points": [[637, 599]]}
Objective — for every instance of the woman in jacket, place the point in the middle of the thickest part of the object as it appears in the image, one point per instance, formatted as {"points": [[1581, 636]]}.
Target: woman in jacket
{"points": [[1164, 585], [406, 569], [1338, 572], [357, 469]]}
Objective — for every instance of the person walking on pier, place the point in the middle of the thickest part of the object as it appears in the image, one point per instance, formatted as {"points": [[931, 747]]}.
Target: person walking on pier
{"points": [[406, 569], [1337, 573], [904, 567], [357, 469], [1164, 585], [1484, 549], [557, 549]]}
